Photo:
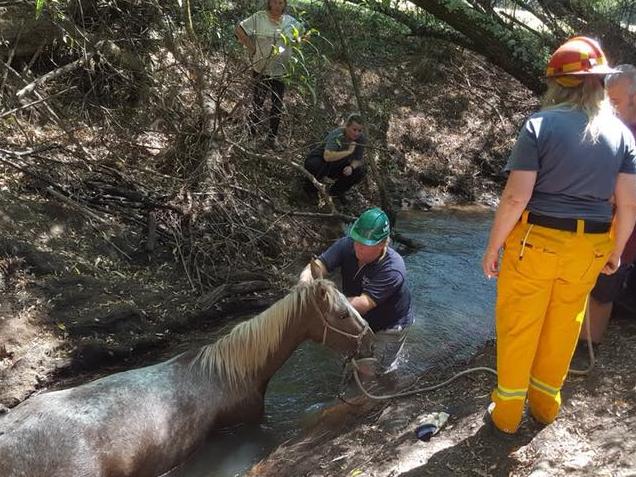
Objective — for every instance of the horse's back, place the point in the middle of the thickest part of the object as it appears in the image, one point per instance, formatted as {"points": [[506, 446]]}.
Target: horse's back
{"points": [[35, 442], [140, 422]]}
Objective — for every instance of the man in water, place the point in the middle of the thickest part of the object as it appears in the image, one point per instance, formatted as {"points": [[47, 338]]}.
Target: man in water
{"points": [[374, 280]]}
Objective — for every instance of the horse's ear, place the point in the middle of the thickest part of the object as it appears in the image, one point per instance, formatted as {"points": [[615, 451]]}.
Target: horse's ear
{"points": [[322, 290], [316, 270]]}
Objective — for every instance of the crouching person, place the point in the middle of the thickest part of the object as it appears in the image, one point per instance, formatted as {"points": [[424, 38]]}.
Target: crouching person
{"points": [[374, 281], [340, 157]]}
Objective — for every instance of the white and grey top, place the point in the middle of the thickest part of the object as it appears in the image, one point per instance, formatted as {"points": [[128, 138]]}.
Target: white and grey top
{"points": [[273, 41]]}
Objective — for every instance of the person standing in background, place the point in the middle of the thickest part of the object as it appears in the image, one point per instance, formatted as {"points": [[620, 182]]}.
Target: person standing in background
{"points": [[621, 90], [268, 35]]}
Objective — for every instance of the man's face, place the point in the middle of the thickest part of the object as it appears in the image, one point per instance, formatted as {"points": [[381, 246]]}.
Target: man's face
{"points": [[624, 103], [353, 131], [368, 253]]}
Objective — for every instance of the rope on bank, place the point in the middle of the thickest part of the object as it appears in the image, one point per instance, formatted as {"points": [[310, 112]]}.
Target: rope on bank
{"points": [[590, 348], [356, 375]]}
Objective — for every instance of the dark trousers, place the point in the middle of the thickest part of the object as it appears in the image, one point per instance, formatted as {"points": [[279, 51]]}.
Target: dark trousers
{"points": [[262, 86], [320, 169]]}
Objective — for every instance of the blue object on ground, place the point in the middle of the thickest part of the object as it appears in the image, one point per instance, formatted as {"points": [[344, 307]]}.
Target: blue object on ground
{"points": [[425, 432]]}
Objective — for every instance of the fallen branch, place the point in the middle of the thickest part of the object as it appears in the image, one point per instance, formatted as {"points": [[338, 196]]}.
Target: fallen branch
{"points": [[409, 243], [80, 208], [318, 185], [33, 103], [317, 215], [55, 74]]}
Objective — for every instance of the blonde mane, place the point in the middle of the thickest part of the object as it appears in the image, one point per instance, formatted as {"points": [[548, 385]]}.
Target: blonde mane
{"points": [[238, 355]]}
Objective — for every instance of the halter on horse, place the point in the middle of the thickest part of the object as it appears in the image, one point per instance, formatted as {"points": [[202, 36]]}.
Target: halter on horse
{"points": [[145, 421]]}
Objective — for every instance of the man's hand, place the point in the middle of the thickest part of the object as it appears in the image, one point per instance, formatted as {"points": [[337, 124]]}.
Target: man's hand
{"points": [[352, 147], [363, 303], [613, 262], [347, 171]]}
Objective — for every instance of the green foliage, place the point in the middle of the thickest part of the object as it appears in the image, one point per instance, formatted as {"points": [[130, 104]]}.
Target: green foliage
{"points": [[214, 23], [367, 31], [39, 6]]}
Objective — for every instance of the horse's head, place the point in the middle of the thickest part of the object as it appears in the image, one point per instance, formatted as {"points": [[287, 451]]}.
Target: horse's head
{"points": [[338, 324]]}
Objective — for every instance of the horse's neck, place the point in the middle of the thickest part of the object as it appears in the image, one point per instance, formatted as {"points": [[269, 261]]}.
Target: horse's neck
{"points": [[291, 339]]}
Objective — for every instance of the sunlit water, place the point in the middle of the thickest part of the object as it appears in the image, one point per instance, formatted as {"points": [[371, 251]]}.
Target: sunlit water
{"points": [[453, 306]]}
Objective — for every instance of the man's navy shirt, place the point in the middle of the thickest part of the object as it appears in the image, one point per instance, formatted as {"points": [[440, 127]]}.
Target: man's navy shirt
{"points": [[383, 280]]}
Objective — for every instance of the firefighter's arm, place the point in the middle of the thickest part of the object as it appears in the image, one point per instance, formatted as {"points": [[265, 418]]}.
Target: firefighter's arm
{"points": [[514, 200]]}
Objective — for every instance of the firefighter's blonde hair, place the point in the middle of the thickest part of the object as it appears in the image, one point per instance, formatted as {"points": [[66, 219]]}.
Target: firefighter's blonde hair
{"points": [[588, 97]]}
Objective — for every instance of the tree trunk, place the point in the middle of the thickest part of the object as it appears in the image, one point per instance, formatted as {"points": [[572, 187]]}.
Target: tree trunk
{"points": [[490, 39]]}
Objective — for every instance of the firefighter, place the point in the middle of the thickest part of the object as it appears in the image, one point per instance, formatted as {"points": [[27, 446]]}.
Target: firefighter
{"points": [[553, 223]]}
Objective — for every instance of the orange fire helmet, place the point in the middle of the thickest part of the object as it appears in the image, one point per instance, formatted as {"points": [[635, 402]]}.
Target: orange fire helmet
{"points": [[578, 56]]}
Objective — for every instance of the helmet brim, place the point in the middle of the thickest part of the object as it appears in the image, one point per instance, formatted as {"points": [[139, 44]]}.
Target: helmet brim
{"points": [[363, 240], [596, 70]]}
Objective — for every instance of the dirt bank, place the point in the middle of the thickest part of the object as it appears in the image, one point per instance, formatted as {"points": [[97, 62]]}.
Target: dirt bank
{"points": [[594, 434]]}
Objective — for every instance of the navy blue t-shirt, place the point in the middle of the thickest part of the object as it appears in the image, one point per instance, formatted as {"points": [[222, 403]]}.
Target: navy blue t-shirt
{"points": [[383, 280]]}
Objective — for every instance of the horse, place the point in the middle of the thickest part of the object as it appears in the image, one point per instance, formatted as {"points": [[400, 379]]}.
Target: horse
{"points": [[146, 421]]}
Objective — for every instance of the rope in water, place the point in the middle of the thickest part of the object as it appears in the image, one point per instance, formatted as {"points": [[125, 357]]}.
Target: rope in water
{"points": [[356, 375]]}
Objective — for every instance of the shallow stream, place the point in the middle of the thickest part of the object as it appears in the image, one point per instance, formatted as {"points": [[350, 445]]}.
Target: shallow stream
{"points": [[453, 305]]}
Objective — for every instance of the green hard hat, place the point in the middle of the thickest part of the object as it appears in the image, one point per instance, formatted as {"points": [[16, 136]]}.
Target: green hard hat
{"points": [[371, 228]]}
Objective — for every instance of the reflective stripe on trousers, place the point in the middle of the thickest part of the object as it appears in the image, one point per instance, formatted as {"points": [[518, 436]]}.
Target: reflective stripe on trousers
{"points": [[545, 278]]}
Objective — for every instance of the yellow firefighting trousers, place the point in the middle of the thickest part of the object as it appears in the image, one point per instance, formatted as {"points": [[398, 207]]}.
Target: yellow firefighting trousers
{"points": [[545, 278]]}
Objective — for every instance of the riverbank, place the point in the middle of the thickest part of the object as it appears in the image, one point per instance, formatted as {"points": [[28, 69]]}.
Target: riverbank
{"points": [[593, 434]]}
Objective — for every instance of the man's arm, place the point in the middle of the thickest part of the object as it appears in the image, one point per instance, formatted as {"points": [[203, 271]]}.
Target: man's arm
{"points": [[625, 193], [363, 303], [333, 156], [359, 151]]}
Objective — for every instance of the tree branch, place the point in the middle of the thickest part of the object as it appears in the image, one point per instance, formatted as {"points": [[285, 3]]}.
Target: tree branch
{"points": [[363, 107], [55, 74]]}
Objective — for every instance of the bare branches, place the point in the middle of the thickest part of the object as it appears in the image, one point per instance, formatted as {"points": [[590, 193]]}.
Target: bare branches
{"points": [[55, 74], [363, 107], [10, 58], [318, 185], [34, 103]]}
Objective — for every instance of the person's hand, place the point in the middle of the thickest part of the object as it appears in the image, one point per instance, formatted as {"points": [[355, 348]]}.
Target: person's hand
{"points": [[306, 276], [490, 263], [612, 264], [347, 171], [352, 147]]}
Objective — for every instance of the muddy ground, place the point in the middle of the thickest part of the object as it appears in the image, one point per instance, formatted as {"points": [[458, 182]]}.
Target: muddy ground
{"points": [[593, 436]]}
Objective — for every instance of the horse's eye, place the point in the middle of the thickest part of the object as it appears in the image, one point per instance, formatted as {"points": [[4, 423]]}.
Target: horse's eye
{"points": [[344, 316]]}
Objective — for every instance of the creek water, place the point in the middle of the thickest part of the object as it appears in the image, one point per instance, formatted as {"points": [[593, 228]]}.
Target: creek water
{"points": [[453, 306]]}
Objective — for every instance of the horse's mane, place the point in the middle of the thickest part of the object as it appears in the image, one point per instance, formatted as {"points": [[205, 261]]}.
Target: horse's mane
{"points": [[239, 354]]}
